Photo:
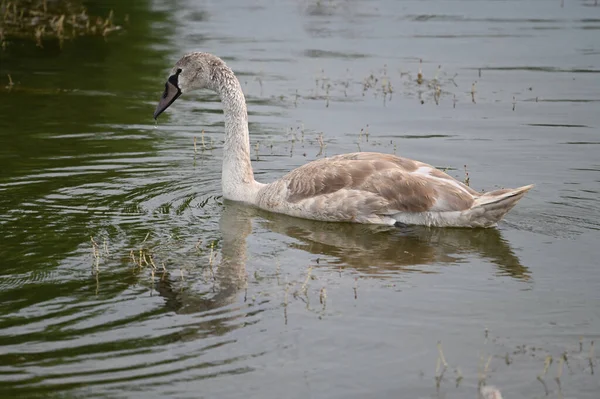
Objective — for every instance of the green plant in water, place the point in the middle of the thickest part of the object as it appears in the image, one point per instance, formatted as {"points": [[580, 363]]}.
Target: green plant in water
{"points": [[41, 20]]}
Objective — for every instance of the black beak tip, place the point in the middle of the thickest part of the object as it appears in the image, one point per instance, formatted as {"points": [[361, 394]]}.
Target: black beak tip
{"points": [[171, 93], [159, 110]]}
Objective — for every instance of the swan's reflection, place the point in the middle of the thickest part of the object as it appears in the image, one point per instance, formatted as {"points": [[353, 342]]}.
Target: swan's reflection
{"points": [[229, 272], [384, 249], [379, 249]]}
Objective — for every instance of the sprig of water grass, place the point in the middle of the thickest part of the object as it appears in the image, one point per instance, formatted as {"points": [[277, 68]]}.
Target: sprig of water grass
{"points": [[41, 20]]}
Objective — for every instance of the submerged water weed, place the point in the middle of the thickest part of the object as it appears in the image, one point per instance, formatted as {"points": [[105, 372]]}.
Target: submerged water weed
{"points": [[203, 145], [382, 83], [574, 360], [151, 257], [540, 377], [591, 358], [364, 132], [95, 255], [322, 145], [10, 82], [41, 20], [467, 178], [440, 367]]}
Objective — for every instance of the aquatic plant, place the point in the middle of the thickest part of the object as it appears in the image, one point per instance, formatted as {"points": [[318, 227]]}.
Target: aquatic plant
{"points": [[41, 20]]}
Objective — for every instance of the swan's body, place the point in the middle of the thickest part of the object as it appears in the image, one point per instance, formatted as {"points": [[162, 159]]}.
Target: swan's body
{"points": [[363, 187]]}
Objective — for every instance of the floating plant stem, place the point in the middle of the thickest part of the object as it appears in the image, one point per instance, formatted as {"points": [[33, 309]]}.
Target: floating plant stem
{"points": [[440, 367], [96, 255], [151, 281], [459, 376], [561, 362], [322, 144], [540, 377], [132, 255], [285, 302], [323, 299], [592, 357], [152, 262], [211, 260], [441, 354], [484, 370], [304, 287]]}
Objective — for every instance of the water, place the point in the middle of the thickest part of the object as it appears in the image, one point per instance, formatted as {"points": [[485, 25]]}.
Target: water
{"points": [[245, 303]]}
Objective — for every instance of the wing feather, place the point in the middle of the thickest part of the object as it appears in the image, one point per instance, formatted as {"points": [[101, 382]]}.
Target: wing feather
{"points": [[389, 183]]}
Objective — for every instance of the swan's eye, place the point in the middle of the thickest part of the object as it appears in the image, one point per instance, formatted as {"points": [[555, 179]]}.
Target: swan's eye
{"points": [[178, 71]]}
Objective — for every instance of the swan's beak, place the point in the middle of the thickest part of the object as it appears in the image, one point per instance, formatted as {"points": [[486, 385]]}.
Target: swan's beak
{"points": [[169, 96]]}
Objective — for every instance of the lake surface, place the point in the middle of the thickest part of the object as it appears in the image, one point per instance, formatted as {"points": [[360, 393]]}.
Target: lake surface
{"points": [[124, 274]]}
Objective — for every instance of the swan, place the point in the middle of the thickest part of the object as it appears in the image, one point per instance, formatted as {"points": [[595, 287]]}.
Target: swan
{"points": [[362, 187]]}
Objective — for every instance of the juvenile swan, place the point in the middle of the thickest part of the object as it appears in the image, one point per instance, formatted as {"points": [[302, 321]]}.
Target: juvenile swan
{"points": [[362, 187]]}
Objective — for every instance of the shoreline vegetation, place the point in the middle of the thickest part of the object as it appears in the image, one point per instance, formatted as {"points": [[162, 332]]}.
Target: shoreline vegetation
{"points": [[41, 20]]}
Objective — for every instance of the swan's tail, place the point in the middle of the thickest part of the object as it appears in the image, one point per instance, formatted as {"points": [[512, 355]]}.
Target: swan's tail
{"points": [[488, 209]]}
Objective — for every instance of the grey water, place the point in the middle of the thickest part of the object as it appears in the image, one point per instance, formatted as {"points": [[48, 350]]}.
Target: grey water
{"points": [[125, 274]]}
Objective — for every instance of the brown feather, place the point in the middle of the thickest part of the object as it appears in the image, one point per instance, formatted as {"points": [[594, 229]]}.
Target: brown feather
{"points": [[392, 181]]}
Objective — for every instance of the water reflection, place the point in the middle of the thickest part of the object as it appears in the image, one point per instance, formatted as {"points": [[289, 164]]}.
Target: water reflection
{"points": [[382, 249], [229, 275], [374, 249]]}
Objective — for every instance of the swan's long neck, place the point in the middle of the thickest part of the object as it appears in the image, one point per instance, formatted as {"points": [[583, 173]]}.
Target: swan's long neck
{"points": [[237, 178]]}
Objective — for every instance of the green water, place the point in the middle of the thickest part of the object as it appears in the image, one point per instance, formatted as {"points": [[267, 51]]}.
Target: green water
{"points": [[57, 135], [245, 303]]}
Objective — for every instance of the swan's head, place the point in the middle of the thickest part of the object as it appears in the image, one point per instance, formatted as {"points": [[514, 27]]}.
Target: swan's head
{"points": [[193, 71]]}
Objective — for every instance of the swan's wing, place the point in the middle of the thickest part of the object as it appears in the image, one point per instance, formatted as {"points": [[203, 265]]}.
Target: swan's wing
{"points": [[377, 183]]}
